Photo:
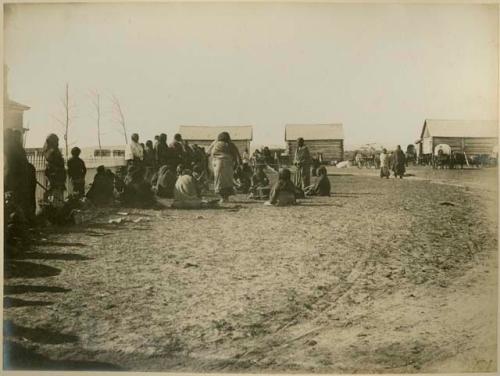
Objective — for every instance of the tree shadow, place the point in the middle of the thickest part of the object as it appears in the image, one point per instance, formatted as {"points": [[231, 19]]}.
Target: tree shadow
{"points": [[25, 269], [38, 335], [50, 256], [59, 244], [9, 302], [22, 289], [17, 357]]}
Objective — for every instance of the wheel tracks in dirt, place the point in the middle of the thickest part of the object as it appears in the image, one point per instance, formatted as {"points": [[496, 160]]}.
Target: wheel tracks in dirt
{"points": [[339, 292]]}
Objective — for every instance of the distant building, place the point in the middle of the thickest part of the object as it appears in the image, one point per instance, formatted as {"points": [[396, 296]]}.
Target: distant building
{"points": [[472, 137], [205, 135], [323, 140]]}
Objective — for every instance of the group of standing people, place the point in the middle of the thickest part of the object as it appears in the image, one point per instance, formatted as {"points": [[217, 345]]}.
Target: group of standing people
{"points": [[396, 161]]}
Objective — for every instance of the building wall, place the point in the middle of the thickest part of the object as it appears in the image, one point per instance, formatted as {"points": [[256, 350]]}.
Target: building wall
{"points": [[240, 144], [332, 150], [469, 145], [12, 119]]}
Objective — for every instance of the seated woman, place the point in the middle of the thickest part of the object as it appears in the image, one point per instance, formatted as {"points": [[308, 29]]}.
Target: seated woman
{"points": [[165, 182], [284, 191], [137, 191], [101, 190], [259, 189], [186, 193], [322, 185]]}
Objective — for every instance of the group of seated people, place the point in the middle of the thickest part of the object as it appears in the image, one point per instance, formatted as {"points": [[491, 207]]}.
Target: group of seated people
{"points": [[284, 192], [187, 186]]}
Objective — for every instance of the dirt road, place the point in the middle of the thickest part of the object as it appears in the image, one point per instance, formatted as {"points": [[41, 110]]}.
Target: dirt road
{"points": [[384, 276]]}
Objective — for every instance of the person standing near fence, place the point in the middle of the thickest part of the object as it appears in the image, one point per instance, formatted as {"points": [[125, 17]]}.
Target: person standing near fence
{"points": [[55, 170], [134, 154], [225, 156], [77, 172], [302, 161]]}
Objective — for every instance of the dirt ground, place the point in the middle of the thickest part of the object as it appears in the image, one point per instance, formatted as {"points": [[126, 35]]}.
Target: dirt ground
{"points": [[384, 276]]}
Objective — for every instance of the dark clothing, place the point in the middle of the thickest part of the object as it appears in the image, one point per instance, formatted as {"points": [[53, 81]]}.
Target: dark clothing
{"points": [[321, 187], [55, 171], [176, 150], [149, 157], [165, 182], [399, 163], [283, 193], [101, 190], [161, 154], [137, 191], [260, 179], [76, 173]]}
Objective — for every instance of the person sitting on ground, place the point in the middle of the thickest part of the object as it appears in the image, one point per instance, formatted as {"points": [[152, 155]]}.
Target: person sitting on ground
{"points": [[186, 193], [283, 192], [322, 185], [260, 184], [137, 190], [243, 178], [101, 190], [165, 182], [200, 176], [77, 172]]}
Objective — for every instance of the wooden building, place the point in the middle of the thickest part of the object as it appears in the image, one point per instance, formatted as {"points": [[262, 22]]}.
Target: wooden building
{"points": [[205, 135], [323, 140], [13, 112], [464, 136]]}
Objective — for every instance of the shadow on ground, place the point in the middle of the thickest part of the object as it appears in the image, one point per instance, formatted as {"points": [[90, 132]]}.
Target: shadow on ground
{"points": [[17, 357], [9, 302], [22, 289], [26, 269], [50, 256]]}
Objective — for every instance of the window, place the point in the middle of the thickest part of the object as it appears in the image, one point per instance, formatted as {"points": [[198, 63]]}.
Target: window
{"points": [[102, 153]]}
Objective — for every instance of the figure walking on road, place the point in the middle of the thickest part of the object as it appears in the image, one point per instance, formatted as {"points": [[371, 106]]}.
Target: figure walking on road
{"points": [[399, 163]]}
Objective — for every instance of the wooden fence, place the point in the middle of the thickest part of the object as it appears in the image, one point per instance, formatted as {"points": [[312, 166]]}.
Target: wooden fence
{"points": [[38, 161]]}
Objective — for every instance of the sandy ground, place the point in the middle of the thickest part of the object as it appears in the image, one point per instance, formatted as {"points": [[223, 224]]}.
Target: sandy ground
{"points": [[381, 277]]}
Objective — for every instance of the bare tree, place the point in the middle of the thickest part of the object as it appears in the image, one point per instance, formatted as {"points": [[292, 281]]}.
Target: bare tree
{"points": [[66, 118], [119, 117], [96, 101]]}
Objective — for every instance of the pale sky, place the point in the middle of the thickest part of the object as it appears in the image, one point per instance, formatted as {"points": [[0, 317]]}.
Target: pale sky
{"points": [[381, 70]]}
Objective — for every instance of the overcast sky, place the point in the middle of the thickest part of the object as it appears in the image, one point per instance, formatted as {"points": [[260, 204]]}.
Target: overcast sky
{"points": [[378, 69]]}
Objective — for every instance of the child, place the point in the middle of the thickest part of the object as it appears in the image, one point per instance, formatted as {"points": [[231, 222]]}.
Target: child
{"points": [[322, 185], [77, 172], [283, 192]]}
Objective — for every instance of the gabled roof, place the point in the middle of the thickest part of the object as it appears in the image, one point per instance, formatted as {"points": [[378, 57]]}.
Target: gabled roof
{"points": [[17, 106], [314, 132], [459, 128], [195, 132]]}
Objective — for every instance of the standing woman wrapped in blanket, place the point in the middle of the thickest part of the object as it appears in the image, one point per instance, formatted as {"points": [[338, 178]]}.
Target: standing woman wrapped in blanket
{"points": [[302, 161], [225, 157]]}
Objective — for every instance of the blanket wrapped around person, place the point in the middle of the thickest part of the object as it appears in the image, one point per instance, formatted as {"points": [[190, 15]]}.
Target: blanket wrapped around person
{"points": [[225, 157]]}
